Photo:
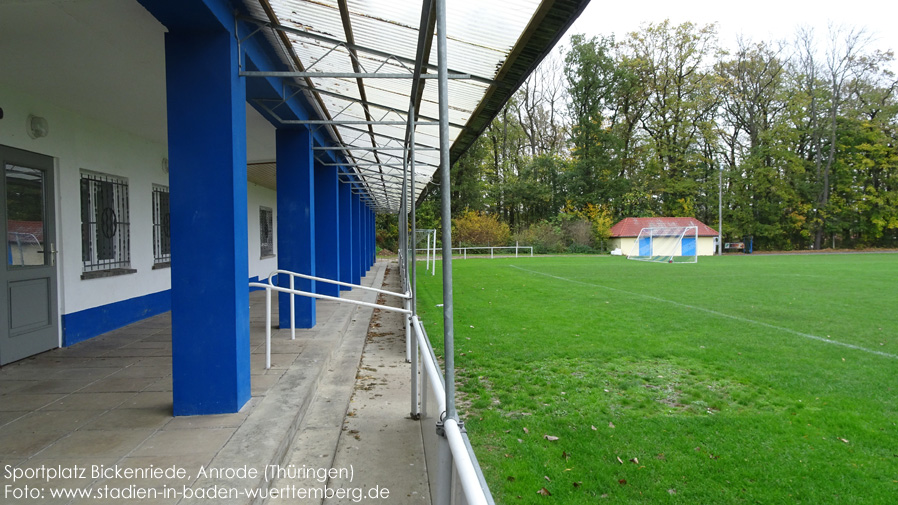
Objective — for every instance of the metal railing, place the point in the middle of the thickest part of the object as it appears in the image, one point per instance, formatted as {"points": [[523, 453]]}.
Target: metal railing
{"points": [[464, 250], [464, 462], [270, 286]]}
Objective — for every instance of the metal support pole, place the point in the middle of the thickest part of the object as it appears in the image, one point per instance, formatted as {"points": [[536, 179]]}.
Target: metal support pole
{"points": [[720, 214], [414, 246], [446, 211], [414, 266]]}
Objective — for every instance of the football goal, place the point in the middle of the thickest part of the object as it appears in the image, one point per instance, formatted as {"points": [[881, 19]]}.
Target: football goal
{"points": [[674, 244]]}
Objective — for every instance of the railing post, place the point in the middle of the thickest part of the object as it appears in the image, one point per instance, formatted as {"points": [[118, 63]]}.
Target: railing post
{"points": [[414, 412], [268, 328], [408, 334], [292, 312]]}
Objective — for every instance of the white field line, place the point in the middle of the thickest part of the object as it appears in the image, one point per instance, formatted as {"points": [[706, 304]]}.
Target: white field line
{"points": [[716, 313]]}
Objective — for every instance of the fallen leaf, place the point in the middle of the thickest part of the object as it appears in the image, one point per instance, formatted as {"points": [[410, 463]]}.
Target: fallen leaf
{"points": [[544, 492], [510, 479], [594, 428], [547, 478], [577, 484], [635, 460], [620, 460], [843, 440], [526, 431], [565, 455], [622, 482], [660, 456], [550, 438], [520, 441], [610, 424], [672, 491]]}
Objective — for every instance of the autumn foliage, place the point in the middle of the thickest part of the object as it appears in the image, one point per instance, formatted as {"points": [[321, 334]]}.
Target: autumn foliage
{"points": [[479, 229]]}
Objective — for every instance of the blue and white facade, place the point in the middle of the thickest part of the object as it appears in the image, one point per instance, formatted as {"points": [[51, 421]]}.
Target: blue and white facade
{"points": [[144, 97]]}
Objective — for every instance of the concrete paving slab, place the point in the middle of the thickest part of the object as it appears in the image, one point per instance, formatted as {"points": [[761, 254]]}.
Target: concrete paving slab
{"points": [[28, 402], [89, 401], [92, 445], [183, 442]]}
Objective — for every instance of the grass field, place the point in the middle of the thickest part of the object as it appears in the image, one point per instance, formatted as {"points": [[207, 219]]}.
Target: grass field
{"points": [[739, 379]]}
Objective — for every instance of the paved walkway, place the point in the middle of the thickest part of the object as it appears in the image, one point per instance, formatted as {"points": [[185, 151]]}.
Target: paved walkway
{"points": [[94, 420]]}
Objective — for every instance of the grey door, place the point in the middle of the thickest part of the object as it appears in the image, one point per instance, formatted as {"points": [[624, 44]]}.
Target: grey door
{"points": [[28, 310]]}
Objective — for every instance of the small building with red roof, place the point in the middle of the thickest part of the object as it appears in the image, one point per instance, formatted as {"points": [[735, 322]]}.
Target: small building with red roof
{"points": [[624, 233]]}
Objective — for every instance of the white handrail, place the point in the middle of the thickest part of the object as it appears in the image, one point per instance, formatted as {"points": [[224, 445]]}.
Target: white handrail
{"points": [[430, 366], [339, 283], [271, 287], [467, 475]]}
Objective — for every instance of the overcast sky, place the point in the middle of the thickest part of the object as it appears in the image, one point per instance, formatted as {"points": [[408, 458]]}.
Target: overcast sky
{"points": [[758, 20]]}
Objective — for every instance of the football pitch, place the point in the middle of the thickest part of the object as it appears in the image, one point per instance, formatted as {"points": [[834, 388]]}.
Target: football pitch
{"points": [[738, 379]]}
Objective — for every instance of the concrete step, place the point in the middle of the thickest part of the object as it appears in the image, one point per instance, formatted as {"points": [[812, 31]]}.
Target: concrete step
{"points": [[330, 354]]}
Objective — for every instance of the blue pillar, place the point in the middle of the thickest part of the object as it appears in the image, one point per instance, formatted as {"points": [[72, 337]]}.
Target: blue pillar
{"points": [[356, 240], [207, 159], [372, 244], [296, 221], [327, 236], [345, 234], [369, 247]]}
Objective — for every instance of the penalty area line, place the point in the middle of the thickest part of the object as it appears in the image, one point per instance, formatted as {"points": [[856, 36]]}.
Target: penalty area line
{"points": [[716, 313]]}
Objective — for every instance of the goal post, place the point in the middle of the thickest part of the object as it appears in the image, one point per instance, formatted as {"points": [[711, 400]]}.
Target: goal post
{"points": [[667, 244]]}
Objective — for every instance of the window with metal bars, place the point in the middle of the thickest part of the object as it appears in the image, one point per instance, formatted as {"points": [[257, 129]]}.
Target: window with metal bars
{"points": [[266, 231], [161, 228], [105, 225]]}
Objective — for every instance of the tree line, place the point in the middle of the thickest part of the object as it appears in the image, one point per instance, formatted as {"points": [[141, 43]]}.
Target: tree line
{"points": [[800, 137]]}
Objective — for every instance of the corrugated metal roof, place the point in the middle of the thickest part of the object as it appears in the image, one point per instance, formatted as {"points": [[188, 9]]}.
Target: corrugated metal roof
{"points": [[631, 226], [496, 43]]}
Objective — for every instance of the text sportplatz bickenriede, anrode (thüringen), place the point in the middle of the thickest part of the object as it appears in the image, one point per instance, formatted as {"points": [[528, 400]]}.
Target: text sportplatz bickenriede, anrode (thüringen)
{"points": [[93, 481]]}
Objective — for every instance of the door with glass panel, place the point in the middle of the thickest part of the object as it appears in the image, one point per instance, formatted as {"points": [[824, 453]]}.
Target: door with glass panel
{"points": [[28, 305]]}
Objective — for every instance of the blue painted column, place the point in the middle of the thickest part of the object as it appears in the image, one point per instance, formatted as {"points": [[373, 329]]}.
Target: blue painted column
{"points": [[296, 221], [372, 244], [369, 247], [207, 180], [327, 229], [345, 192], [356, 240]]}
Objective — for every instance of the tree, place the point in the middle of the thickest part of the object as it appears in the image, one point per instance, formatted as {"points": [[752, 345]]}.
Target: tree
{"points": [[672, 62]]}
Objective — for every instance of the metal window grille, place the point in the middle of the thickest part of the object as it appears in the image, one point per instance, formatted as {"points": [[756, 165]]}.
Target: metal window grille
{"points": [[266, 231], [161, 225], [105, 224]]}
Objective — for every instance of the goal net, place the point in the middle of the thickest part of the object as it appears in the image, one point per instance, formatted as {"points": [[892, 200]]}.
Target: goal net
{"points": [[674, 244]]}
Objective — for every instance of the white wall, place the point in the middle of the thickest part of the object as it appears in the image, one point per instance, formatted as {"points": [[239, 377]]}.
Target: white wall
{"points": [[704, 245], [77, 142], [257, 196]]}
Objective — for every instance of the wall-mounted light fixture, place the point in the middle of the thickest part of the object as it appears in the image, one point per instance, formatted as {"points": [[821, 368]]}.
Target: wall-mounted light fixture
{"points": [[37, 127]]}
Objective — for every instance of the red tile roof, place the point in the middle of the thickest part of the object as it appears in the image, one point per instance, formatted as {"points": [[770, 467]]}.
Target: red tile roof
{"points": [[28, 231], [631, 226]]}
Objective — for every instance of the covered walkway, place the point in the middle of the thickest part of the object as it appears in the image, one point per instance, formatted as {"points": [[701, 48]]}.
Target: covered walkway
{"points": [[107, 401]]}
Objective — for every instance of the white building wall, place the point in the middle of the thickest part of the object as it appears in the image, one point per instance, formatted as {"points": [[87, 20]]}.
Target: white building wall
{"points": [[257, 197], [80, 143], [704, 245]]}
